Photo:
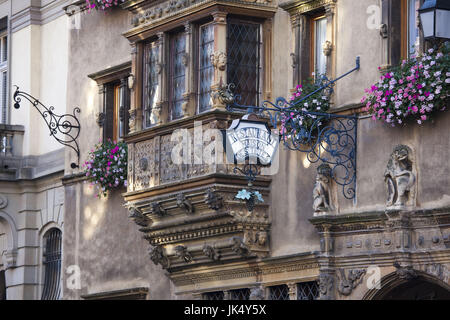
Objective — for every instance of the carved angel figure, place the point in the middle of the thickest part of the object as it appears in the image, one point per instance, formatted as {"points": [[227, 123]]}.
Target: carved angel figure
{"points": [[399, 177], [321, 191]]}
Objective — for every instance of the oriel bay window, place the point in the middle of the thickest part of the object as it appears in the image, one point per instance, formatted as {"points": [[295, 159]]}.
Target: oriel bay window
{"points": [[179, 70]]}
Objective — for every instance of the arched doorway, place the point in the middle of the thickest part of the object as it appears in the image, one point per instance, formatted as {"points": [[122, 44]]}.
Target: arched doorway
{"points": [[420, 287]]}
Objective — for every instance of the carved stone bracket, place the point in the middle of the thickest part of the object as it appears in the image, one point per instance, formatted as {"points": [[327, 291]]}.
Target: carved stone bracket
{"points": [[184, 203], [238, 246], [405, 272], [182, 253], [158, 256], [157, 209], [350, 281], [213, 200], [211, 252], [138, 217]]}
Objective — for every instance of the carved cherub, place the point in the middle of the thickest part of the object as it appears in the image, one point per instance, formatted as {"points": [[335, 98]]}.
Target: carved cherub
{"points": [[321, 191], [399, 177]]}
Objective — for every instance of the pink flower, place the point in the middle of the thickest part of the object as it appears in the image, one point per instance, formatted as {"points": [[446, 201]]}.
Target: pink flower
{"points": [[424, 117]]}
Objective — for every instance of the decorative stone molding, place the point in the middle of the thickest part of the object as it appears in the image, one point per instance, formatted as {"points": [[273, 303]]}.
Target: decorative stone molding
{"points": [[132, 120], [294, 61], [3, 201], [100, 118], [238, 246], [321, 191], [219, 60], [168, 9], [11, 258], [222, 96], [138, 217], [257, 293], [351, 281], [157, 209], [399, 178], [143, 164], [184, 203], [405, 272], [326, 282], [211, 252], [158, 256], [327, 48], [182, 253], [213, 200]]}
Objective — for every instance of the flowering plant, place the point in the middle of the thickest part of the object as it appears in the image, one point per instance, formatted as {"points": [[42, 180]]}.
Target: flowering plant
{"points": [[413, 90], [102, 4], [300, 125], [106, 167]]}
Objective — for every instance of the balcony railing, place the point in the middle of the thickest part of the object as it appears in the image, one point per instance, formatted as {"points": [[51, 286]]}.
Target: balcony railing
{"points": [[11, 139]]}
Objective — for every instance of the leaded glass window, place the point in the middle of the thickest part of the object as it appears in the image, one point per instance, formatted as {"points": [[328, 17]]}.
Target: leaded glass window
{"points": [[206, 69], [244, 59], [240, 294], [216, 295], [52, 265], [308, 290], [280, 292], [151, 53], [177, 74]]}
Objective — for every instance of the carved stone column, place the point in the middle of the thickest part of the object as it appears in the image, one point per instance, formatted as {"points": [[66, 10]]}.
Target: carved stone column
{"points": [[292, 290], [326, 284], [329, 45], [160, 111], [135, 113], [188, 101], [219, 58]]}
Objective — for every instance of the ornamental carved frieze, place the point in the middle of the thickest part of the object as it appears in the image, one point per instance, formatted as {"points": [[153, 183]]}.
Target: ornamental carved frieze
{"points": [[170, 8]]}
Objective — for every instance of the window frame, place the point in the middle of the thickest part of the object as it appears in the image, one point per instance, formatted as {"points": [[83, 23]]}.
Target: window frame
{"points": [[261, 67], [171, 74], [312, 43], [197, 67], [4, 78]]}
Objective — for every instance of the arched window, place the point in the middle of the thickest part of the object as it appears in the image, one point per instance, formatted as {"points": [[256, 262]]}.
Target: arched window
{"points": [[52, 265]]}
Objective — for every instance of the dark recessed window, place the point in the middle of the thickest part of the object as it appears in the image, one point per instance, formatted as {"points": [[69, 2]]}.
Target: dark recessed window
{"points": [[52, 265]]}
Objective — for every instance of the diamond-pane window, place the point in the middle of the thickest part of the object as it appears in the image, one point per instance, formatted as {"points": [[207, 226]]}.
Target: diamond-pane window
{"points": [[308, 290], [243, 59], [240, 294], [216, 295], [177, 74], [151, 52], [280, 292], [206, 69]]}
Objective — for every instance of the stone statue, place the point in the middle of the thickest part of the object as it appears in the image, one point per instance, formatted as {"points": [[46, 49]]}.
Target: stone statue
{"points": [[321, 191], [399, 177]]}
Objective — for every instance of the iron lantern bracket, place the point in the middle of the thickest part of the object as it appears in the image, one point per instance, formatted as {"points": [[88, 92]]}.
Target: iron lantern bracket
{"points": [[330, 138], [64, 128]]}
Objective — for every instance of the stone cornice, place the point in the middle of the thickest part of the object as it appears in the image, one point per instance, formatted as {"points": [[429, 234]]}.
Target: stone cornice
{"points": [[240, 270], [152, 15], [303, 6], [38, 15], [110, 73]]}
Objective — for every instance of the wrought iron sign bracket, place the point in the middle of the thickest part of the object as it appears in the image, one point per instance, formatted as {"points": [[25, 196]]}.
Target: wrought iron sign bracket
{"points": [[64, 128], [328, 137]]}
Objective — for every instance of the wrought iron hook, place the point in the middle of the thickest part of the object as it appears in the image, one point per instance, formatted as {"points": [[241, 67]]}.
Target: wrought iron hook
{"points": [[64, 128]]}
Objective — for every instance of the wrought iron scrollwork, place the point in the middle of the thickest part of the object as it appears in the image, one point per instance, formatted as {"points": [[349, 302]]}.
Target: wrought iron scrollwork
{"points": [[64, 128], [330, 138]]}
